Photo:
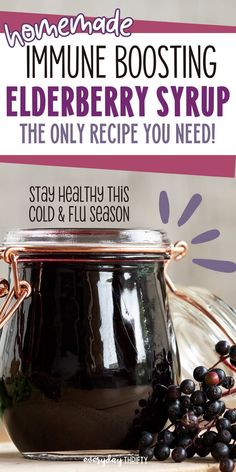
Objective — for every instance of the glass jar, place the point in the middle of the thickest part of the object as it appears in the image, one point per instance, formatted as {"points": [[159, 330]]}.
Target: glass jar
{"points": [[86, 335], [201, 319]]}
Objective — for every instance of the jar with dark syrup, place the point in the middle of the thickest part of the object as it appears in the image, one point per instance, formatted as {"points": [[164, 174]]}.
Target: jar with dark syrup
{"points": [[86, 334]]}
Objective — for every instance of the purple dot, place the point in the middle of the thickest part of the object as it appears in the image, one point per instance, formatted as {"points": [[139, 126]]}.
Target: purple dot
{"points": [[164, 207], [206, 236]]}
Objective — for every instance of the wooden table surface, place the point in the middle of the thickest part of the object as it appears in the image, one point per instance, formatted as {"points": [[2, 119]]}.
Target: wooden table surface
{"points": [[10, 459]]}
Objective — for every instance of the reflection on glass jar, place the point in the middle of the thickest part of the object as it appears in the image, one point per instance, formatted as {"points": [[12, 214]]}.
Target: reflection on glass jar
{"points": [[201, 319]]}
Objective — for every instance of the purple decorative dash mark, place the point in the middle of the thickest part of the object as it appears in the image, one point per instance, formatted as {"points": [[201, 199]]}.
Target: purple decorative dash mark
{"points": [[191, 207], [164, 207], [206, 236], [218, 266]]}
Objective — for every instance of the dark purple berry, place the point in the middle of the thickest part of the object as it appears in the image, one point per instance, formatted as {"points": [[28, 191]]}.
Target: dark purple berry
{"points": [[187, 386], [221, 375], [198, 410], [207, 417], [185, 402], [202, 452], [233, 432], [174, 410], [214, 392], [228, 382], [146, 452], [233, 452], [201, 449], [223, 423], [184, 441], [231, 415], [232, 352], [222, 406], [173, 393], [180, 430], [222, 348], [226, 465], [224, 436], [146, 439], [190, 451], [179, 454], [198, 398], [209, 438], [161, 452], [220, 451], [199, 373], [212, 408], [166, 437]]}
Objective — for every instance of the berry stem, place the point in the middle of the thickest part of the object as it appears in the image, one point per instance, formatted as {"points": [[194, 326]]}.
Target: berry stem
{"points": [[229, 392], [224, 360], [208, 426], [229, 365], [221, 359]]}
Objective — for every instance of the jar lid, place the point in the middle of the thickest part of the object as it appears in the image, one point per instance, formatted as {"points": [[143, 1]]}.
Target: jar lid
{"points": [[125, 241]]}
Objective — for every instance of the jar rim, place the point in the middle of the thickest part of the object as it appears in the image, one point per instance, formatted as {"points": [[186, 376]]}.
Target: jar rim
{"points": [[96, 240]]}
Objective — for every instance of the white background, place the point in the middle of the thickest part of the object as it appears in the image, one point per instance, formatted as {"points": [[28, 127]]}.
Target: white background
{"points": [[224, 143]]}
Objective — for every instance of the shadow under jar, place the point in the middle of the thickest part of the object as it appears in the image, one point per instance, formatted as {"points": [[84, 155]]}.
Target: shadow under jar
{"points": [[92, 339]]}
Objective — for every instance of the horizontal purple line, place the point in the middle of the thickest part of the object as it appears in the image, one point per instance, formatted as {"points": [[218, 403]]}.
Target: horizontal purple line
{"points": [[16, 19], [215, 166]]}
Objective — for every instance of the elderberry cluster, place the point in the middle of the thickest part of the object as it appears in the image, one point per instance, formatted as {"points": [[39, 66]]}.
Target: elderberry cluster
{"points": [[199, 422], [226, 351]]}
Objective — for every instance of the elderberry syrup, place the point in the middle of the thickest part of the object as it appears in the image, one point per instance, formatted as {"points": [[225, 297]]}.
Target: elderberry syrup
{"points": [[83, 357]]}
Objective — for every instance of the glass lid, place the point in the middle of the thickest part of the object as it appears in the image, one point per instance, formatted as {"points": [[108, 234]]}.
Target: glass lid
{"points": [[144, 241]]}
